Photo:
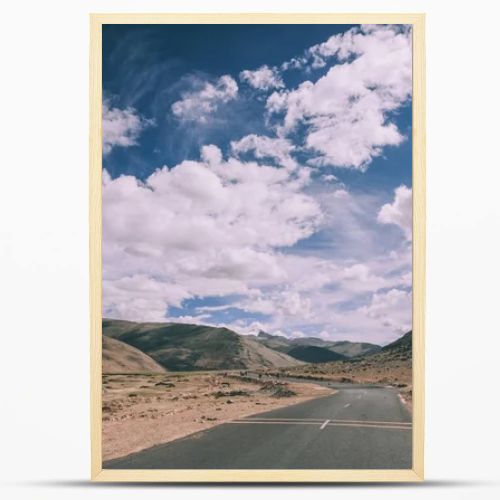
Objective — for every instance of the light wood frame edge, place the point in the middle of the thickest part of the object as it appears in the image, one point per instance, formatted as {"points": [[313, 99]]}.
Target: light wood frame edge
{"points": [[419, 244], [95, 241]]}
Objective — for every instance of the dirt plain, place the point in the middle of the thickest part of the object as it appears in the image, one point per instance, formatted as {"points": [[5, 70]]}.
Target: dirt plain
{"points": [[386, 368], [142, 410]]}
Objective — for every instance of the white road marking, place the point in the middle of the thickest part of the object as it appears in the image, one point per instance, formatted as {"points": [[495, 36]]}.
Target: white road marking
{"points": [[317, 421], [313, 420], [372, 426], [328, 423], [348, 404], [280, 422], [325, 423]]}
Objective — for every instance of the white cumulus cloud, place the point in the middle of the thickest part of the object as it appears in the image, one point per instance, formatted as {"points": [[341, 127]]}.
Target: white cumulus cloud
{"points": [[203, 228], [121, 127], [346, 111], [263, 78], [391, 309], [399, 212], [199, 104], [277, 148], [235, 226]]}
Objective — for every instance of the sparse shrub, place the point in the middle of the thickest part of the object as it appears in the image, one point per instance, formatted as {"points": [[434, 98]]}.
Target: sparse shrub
{"points": [[222, 394], [269, 386], [282, 391]]}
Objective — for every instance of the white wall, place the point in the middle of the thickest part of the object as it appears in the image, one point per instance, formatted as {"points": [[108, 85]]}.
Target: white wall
{"points": [[44, 451]]}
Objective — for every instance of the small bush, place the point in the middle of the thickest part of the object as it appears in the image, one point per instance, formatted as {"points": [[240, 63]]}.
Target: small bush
{"points": [[223, 394], [283, 392]]}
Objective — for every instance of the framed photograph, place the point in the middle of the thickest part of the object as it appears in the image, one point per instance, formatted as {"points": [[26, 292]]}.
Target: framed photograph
{"points": [[257, 247]]}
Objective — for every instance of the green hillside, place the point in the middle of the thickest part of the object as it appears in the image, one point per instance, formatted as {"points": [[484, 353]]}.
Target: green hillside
{"points": [[314, 354], [403, 344], [344, 348]]}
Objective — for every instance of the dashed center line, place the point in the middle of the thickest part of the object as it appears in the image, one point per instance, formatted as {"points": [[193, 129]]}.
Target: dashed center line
{"points": [[325, 423], [348, 404]]}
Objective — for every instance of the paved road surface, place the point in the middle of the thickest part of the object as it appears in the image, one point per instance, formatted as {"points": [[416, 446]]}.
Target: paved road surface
{"points": [[359, 427]]}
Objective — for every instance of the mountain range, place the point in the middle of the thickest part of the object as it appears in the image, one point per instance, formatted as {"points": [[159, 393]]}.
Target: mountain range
{"points": [[132, 347], [183, 347], [316, 350], [392, 364]]}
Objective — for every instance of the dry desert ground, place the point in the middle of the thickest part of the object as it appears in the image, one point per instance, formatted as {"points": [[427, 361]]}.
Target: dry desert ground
{"points": [[142, 410]]}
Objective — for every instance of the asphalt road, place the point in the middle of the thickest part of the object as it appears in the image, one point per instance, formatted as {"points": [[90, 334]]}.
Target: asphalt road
{"points": [[359, 427]]}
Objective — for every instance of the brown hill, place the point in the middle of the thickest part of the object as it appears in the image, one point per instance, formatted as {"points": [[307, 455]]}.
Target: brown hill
{"points": [[178, 346], [391, 365], [118, 357]]}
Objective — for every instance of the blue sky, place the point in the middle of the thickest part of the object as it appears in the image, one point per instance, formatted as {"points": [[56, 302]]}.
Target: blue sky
{"points": [[259, 177]]}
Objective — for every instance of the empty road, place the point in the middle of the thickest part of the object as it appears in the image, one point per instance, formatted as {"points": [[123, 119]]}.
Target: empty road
{"points": [[359, 427]]}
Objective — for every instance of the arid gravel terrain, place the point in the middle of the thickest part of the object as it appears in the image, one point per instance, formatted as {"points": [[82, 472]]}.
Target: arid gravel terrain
{"points": [[140, 411], [386, 368]]}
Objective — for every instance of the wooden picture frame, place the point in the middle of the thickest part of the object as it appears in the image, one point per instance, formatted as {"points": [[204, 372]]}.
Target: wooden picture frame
{"points": [[416, 473]]}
